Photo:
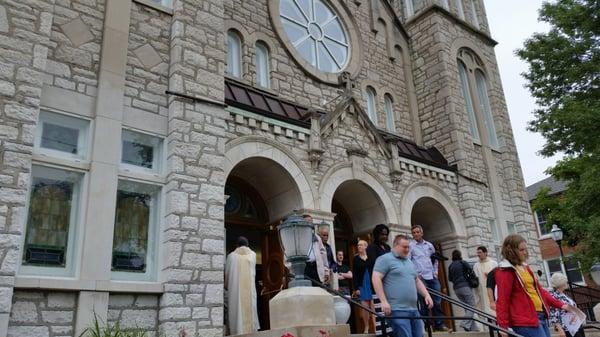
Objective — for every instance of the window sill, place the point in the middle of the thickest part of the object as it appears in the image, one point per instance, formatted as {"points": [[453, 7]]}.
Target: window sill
{"points": [[65, 283], [156, 6]]}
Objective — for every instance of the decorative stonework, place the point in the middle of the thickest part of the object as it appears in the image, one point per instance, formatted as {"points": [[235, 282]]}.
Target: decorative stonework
{"points": [[148, 55], [270, 125], [78, 32]]}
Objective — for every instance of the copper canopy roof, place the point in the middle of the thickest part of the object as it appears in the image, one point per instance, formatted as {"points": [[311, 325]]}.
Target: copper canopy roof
{"points": [[254, 100]]}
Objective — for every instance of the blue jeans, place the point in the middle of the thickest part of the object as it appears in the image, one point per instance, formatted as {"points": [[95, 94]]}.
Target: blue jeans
{"points": [[541, 330], [406, 327], [437, 302]]}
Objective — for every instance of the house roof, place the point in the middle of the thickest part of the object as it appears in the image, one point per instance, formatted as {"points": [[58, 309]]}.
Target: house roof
{"points": [[556, 186], [245, 97]]}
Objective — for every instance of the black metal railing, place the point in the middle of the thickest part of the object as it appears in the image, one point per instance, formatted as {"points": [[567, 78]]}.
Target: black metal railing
{"points": [[586, 298], [493, 327]]}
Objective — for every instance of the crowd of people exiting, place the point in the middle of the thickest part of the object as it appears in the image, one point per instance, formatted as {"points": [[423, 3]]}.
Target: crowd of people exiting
{"points": [[393, 282]]}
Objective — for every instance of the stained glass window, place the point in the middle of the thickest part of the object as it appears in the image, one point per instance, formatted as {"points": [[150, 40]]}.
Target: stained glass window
{"points": [[316, 32]]}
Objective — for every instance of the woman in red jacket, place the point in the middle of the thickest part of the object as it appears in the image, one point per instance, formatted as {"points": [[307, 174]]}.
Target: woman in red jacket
{"points": [[522, 303]]}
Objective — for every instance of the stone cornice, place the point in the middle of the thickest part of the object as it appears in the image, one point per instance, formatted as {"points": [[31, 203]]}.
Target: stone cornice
{"points": [[436, 8]]}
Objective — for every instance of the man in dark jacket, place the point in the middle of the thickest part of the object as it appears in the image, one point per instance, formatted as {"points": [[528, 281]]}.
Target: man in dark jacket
{"points": [[378, 247]]}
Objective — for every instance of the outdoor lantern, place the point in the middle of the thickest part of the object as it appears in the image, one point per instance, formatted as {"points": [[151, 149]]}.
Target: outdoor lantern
{"points": [[557, 233], [595, 272], [296, 238]]}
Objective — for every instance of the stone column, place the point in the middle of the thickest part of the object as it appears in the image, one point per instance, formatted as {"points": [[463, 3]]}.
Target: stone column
{"points": [[193, 232], [104, 164], [24, 38]]}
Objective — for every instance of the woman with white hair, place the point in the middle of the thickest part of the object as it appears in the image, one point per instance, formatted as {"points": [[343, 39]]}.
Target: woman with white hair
{"points": [[559, 284]]}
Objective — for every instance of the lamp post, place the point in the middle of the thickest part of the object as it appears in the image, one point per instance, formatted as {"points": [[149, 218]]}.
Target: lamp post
{"points": [[296, 238], [557, 236]]}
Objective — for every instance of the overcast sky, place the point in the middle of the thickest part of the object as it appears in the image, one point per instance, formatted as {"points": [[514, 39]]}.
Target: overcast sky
{"points": [[511, 22]]}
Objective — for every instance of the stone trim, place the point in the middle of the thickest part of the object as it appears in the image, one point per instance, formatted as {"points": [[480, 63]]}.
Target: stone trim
{"points": [[62, 283], [427, 170], [423, 189], [436, 8], [270, 125]]}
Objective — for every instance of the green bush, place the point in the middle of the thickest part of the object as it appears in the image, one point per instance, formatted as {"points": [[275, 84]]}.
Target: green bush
{"points": [[115, 330]]}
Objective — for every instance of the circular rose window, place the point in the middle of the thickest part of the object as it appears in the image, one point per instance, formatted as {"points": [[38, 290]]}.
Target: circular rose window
{"points": [[321, 36], [316, 32]]}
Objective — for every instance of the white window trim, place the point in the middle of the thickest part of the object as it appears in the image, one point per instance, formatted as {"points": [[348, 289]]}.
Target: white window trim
{"points": [[390, 121], [468, 100], [153, 249], [562, 269], [76, 231], [486, 109], [83, 140], [372, 105], [234, 60], [159, 157], [263, 71]]}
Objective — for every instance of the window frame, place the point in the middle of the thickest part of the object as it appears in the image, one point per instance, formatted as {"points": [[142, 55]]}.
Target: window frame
{"points": [[234, 60], [158, 155], [83, 141], [409, 7], [262, 66], [75, 231], [562, 268], [153, 247], [388, 106], [463, 74], [474, 17], [460, 9], [486, 108], [372, 104]]}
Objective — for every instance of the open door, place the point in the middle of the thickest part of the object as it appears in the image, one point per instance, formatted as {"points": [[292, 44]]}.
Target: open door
{"points": [[443, 278], [274, 274]]}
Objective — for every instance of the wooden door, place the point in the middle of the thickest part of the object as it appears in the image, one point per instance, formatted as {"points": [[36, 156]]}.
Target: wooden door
{"points": [[442, 277], [274, 274]]}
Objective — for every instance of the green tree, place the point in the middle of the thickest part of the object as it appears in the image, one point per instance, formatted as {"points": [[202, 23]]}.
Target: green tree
{"points": [[564, 78]]}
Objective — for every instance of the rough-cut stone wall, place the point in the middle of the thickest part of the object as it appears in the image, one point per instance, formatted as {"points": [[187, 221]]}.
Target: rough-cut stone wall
{"points": [[25, 29], [148, 60], [74, 50], [42, 314], [133, 311], [290, 82], [193, 231], [445, 123]]}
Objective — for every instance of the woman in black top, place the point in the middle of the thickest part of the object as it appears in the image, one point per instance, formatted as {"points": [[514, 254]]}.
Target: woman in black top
{"points": [[362, 282], [456, 275]]}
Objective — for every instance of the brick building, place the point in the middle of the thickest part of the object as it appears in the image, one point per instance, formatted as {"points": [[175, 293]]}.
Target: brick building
{"points": [[138, 138]]}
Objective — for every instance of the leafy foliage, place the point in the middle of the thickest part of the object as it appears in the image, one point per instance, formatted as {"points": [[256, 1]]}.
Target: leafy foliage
{"points": [[564, 78], [99, 330]]}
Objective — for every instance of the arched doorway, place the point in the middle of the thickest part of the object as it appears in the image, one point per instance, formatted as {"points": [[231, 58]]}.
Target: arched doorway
{"points": [[439, 230], [260, 192], [357, 209]]}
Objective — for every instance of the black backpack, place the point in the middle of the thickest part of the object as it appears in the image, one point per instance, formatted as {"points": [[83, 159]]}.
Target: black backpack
{"points": [[469, 275]]}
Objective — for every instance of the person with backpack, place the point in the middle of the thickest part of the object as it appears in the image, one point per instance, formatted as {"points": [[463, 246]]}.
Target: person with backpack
{"points": [[463, 281]]}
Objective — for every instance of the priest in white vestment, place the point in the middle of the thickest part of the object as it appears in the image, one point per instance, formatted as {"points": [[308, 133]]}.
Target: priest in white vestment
{"points": [[482, 268], [240, 275]]}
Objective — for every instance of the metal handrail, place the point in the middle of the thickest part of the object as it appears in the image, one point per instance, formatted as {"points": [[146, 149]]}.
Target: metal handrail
{"points": [[576, 287], [385, 318], [461, 304]]}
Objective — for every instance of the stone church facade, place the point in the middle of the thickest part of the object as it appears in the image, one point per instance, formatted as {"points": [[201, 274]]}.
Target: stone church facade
{"points": [[138, 138]]}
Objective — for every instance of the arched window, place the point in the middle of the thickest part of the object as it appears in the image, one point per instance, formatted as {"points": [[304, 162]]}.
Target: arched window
{"points": [[371, 105], [486, 109], [475, 92], [464, 85], [234, 54], [262, 65], [389, 113]]}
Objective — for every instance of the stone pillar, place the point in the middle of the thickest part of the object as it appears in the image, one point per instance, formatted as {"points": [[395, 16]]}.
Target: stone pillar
{"points": [[104, 164], [193, 231], [22, 65]]}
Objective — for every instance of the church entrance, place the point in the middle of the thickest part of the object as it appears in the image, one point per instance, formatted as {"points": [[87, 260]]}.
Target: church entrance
{"points": [[439, 230], [259, 194], [358, 209]]}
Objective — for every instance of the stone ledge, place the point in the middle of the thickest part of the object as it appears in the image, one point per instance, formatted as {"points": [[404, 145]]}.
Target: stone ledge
{"points": [[340, 330], [60, 283]]}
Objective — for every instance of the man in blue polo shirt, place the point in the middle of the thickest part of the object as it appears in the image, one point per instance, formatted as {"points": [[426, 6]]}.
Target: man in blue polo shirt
{"points": [[396, 283]]}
